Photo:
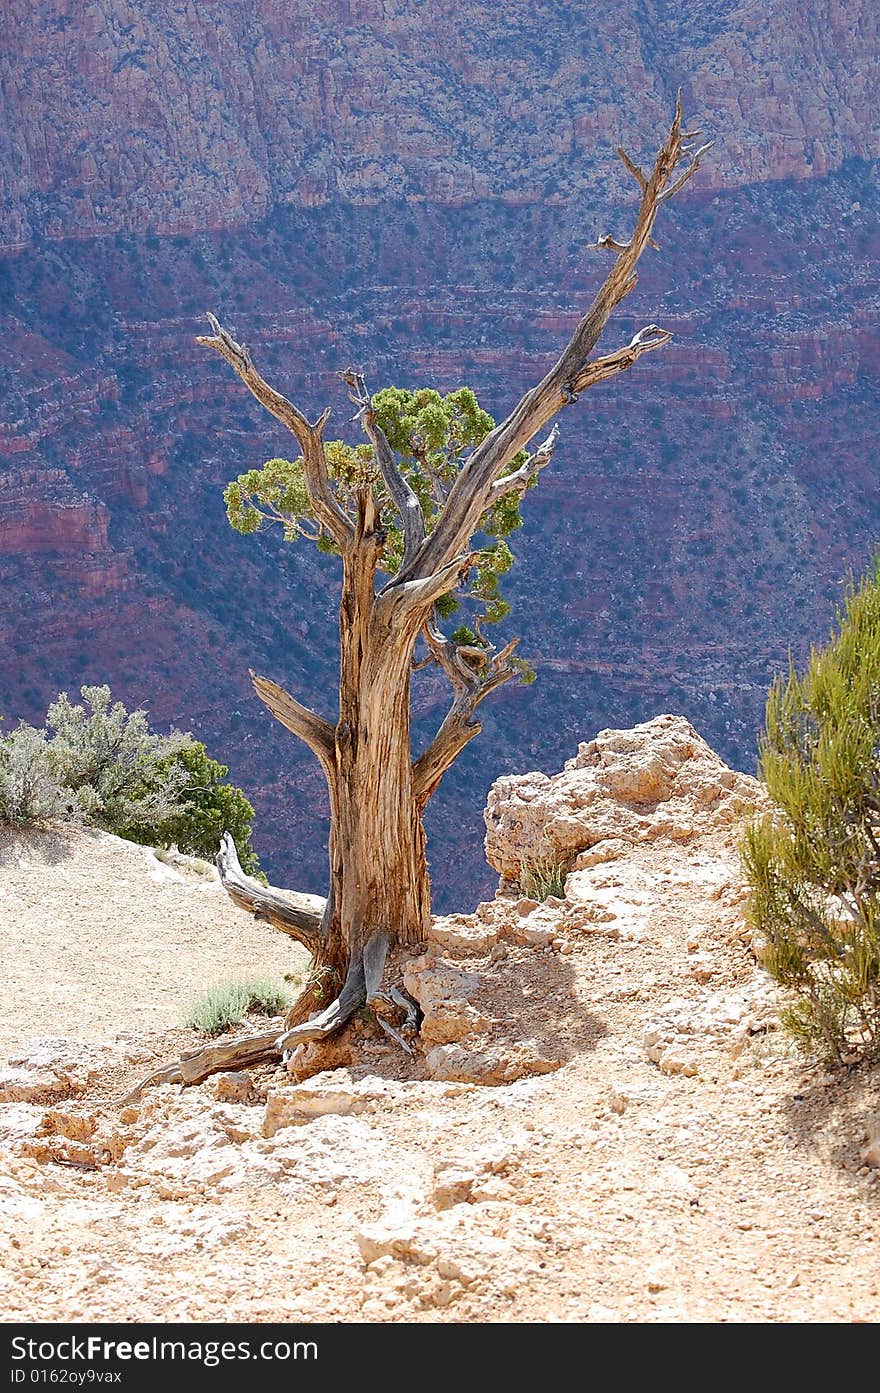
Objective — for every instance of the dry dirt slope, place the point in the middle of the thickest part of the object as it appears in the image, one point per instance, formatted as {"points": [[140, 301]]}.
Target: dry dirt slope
{"points": [[602, 1122], [100, 935]]}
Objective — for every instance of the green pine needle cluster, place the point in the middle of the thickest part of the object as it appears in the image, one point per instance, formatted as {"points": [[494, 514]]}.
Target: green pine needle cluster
{"points": [[813, 866], [432, 437]]}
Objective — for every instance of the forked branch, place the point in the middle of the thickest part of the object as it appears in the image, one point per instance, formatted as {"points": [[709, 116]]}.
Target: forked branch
{"points": [[471, 685], [471, 492], [417, 596], [695, 159], [601, 368], [401, 494], [309, 436]]}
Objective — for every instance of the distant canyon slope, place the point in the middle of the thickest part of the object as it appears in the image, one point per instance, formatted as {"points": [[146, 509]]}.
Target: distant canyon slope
{"points": [[411, 189]]}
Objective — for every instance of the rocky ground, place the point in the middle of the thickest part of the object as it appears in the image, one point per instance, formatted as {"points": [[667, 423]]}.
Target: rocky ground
{"points": [[602, 1121]]}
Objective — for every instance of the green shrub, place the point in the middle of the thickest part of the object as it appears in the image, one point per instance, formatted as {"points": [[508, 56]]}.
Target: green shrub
{"points": [[813, 866], [100, 764], [227, 1003], [540, 880], [119, 773], [209, 807]]}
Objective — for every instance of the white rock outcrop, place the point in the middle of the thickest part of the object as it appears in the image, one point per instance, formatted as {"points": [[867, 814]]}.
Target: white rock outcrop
{"points": [[659, 779]]}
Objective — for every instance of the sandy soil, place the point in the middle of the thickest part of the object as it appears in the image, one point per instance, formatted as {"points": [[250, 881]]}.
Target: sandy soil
{"points": [[101, 935], [680, 1164]]}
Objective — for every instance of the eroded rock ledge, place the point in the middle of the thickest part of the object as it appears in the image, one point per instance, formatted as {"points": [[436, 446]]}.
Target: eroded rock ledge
{"points": [[659, 779]]}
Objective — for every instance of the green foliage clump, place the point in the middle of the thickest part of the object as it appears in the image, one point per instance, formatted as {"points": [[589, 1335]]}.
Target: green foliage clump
{"points": [[211, 807], [540, 880], [117, 773], [227, 1003], [97, 763], [432, 437], [813, 865]]}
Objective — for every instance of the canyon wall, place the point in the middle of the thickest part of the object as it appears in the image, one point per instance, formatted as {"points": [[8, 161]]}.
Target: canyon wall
{"points": [[413, 189], [181, 116]]}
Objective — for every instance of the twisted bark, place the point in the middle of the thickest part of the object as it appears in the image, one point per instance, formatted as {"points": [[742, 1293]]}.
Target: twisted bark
{"points": [[378, 893]]}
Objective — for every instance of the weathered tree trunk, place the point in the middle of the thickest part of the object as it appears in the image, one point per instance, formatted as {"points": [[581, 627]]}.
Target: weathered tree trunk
{"points": [[378, 894], [378, 870]]}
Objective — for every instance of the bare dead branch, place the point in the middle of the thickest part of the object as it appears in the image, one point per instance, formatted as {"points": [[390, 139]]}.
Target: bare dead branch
{"points": [[457, 730], [402, 495], [459, 726], [633, 168], [521, 477], [470, 493], [695, 162], [312, 729], [601, 368], [300, 916], [421, 594], [607, 243], [449, 657], [309, 436]]}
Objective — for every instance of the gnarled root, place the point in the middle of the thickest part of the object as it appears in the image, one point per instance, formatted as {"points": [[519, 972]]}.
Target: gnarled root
{"points": [[397, 1014], [360, 988], [213, 1059], [334, 1016]]}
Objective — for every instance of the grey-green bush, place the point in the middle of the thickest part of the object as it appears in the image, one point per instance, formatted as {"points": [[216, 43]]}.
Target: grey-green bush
{"points": [[97, 763], [226, 1004], [118, 772], [30, 790]]}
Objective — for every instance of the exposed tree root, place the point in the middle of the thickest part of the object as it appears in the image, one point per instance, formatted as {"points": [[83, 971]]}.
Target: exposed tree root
{"points": [[334, 1016], [213, 1059], [360, 988], [395, 1034], [394, 1003]]}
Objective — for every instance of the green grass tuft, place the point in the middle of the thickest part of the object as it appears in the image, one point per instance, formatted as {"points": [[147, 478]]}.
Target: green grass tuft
{"points": [[540, 880], [227, 1003]]}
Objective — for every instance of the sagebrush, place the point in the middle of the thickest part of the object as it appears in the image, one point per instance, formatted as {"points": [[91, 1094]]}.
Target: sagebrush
{"points": [[95, 762], [227, 1003]]}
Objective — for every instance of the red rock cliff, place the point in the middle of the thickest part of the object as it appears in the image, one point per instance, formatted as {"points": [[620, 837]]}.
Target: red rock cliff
{"points": [[178, 115]]}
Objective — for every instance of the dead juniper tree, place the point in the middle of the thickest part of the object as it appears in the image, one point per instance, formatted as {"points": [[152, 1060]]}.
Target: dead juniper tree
{"points": [[402, 511]]}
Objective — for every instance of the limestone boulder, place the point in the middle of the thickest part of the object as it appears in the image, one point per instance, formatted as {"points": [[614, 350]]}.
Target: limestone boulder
{"points": [[658, 779], [49, 1069]]}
